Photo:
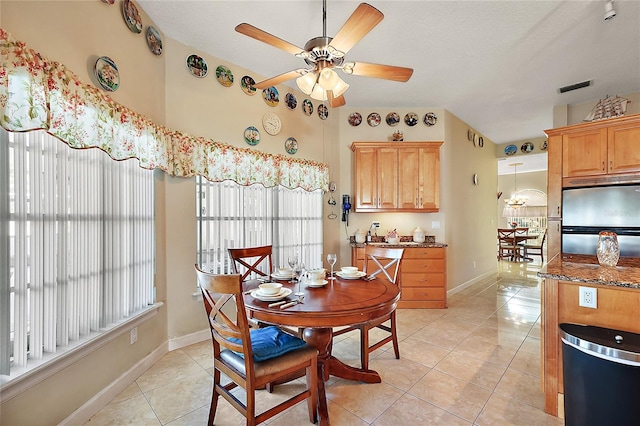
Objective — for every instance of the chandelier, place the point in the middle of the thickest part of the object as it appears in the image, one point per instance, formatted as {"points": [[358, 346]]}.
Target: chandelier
{"points": [[515, 201]]}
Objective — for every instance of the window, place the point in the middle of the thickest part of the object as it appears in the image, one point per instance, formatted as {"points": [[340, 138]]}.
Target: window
{"points": [[230, 215], [76, 246]]}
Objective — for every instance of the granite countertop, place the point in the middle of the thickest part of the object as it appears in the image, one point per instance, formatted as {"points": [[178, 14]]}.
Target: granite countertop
{"points": [[585, 269]]}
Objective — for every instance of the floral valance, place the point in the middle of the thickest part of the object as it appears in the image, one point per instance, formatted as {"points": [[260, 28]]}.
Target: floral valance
{"points": [[39, 94]]}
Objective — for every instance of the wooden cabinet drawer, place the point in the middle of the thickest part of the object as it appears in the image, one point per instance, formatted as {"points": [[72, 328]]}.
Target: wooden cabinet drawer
{"points": [[422, 293], [423, 280], [423, 253], [422, 265]]}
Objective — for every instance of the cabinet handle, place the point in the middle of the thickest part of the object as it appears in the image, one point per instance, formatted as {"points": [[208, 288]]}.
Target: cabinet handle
{"points": [[558, 210], [610, 165], [558, 227], [603, 165]]}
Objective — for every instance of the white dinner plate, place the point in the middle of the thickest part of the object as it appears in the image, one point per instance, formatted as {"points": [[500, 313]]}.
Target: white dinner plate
{"points": [[281, 295], [282, 276], [318, 283], [355, 276]]}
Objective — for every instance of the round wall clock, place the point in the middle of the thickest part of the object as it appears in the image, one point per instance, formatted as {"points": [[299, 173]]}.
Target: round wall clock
{"points": [[271, 123]]}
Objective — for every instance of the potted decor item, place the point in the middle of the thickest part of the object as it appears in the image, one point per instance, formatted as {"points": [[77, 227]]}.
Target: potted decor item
{"points": [[393, 237]]}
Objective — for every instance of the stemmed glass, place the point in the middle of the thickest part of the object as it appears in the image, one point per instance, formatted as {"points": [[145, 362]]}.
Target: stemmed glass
{"points": [[293, 261], [298, 271], [331, 258]]}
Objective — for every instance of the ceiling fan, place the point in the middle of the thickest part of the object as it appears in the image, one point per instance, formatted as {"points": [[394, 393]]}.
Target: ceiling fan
{"points": [[324, 54]]}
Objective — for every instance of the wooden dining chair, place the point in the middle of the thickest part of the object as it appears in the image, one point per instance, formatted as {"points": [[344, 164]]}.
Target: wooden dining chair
{"points": [[251, 260], [382, 263], [536, 249], [507, 244], [252, 358]]}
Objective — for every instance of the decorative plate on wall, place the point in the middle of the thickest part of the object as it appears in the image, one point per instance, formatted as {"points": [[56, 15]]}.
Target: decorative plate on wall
{"points": [[107, 74], [246, 84], [252, 136], [470, 135], [323, 111], [131, 16], [411, 119], [393, 119], [197, 66], [355, 119], [224, 76], [510, 149], [475, 139], [480, 141], [271, 96], [307, 107], [291, 145], [373, 119], [430, 119], [154, 41], [526, 147], [290, 101], [544, 145]]}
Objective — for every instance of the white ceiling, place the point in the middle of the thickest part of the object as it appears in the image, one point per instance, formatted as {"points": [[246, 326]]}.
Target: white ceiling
{"points": [[523, 164], [497, 65]]}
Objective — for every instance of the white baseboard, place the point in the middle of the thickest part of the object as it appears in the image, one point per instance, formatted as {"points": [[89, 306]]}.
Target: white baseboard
{"points": [[459, 288], [189, 339], [106, 395]]}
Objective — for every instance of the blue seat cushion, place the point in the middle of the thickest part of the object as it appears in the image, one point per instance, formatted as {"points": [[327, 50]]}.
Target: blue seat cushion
{"points": [[271, 342]]}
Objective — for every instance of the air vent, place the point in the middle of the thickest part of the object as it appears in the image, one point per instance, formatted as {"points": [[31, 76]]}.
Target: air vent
{"points": [[575, 86]]}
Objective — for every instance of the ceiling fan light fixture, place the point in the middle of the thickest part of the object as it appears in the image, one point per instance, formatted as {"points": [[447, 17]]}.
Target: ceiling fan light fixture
{"points": [[306, 82], [328, 79], [340, 88], [318, 93]]}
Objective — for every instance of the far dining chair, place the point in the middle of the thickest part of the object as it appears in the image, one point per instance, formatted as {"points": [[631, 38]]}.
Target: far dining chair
{"points": [[507, 244], [252, 358], [250, 260], [536, 249], [382, 263]]}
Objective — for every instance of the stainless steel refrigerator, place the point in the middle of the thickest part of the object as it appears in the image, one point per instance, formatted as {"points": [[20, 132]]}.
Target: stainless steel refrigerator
{"points": [[587, 211]]}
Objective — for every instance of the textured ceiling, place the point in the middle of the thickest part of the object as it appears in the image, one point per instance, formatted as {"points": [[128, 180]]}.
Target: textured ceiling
{"points": [[495, 64]]}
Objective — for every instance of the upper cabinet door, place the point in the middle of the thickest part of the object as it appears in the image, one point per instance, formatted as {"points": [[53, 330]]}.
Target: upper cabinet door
{"points": [[624, 148], [429, 179], [584, 153], [408, 170], [366, 179], [387, 178]]}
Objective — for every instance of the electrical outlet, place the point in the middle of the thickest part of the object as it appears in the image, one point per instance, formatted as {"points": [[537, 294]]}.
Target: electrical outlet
{"points": [[134, 335], [375, 224], [588, 297]]}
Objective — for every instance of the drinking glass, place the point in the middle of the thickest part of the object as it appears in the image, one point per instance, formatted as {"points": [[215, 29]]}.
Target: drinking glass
{"points": [[331, 258], [293, 261], [298, 271]]}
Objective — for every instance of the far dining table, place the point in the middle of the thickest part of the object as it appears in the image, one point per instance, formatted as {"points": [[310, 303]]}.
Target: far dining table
{"points": [[341, 302]]}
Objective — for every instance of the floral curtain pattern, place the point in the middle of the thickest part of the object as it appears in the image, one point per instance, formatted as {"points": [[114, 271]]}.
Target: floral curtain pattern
{"points": [[39, 94]]}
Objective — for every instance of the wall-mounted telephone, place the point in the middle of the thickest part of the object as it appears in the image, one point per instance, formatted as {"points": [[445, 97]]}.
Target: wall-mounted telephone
{"points": [[346, 206]]}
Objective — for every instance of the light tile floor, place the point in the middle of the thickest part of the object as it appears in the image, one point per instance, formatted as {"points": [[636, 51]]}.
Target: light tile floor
{"points": [[476, 363]]}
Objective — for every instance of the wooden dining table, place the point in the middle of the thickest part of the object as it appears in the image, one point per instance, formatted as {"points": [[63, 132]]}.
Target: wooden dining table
{"points": [[341, 302]]}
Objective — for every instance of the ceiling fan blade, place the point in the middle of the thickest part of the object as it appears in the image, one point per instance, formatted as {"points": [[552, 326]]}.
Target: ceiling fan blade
{"points": [[361, 21], [279, 79], [335, 102], [265, 37], [387, 72]]}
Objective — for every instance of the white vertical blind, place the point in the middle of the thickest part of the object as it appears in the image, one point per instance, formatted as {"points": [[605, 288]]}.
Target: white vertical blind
{"points": [[81, 244], [231, 216]]}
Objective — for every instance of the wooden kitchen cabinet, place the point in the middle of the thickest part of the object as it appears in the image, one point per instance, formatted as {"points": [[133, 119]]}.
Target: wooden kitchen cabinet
{"points": [[392, 177], [605, 147], [423, 276]]}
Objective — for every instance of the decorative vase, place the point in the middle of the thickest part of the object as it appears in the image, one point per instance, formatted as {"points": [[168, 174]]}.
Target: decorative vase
{"points": [[418, 235], [608, 250]]}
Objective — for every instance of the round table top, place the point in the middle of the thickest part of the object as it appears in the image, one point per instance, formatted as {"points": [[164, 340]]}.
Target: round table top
{"points": [[339, 303]]}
